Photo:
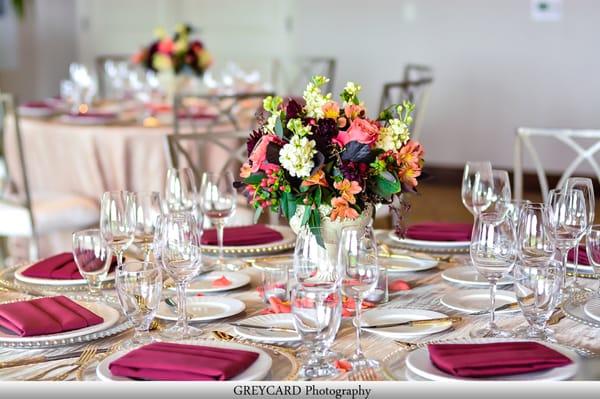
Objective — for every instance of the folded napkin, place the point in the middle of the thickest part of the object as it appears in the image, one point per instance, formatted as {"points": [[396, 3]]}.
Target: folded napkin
{"points": [[62, 267], [46, 316], [581, 256], [93, 114], [36, 104], [163, 361], [254, 234], [435, 231], [494, 359]]}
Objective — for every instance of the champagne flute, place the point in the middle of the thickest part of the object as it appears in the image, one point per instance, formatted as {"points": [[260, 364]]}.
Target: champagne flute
{"points": [[569, 223], [147, 208], [534, 235], [593, 251], [587, 188], [477, 179], [358, 257], [180, 190], [93, 259], [180, 255], [217, 203], [493, 253], [117, 221]]}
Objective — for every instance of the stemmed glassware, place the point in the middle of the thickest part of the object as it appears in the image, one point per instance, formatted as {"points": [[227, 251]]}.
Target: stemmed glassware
{"points": [[569, 223], [217, 203], [501, 188], [93, 259], [493, 253], [358, 258], [177, 249], [316, 258], [147, 208], [180, 190], [535, 246], [477, 186], [593, 250], [117, 220], [139, 287], [317, 316], [587, 188]]}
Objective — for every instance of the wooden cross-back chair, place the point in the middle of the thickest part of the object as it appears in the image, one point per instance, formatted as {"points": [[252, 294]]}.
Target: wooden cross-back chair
{"points": [[293, 80], [196, 113]]}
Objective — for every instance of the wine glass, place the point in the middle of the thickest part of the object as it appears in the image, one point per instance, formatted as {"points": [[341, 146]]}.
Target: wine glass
{"points": [[476, 182], [147, 208], [179, 253], [117, 221], [217, 203], [93, 259], [593, 250], [358, 257], [587, 188], [538, 293], [139, 286], [317, 316], [316, 258], [493, 253], [180, 190], [569, 223], [512, 208], [534, 235], [501, 188]]}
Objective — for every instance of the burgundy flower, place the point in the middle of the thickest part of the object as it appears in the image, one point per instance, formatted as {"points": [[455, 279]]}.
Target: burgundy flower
{"points": [[293, 108], [324, 131], [253, 139]]}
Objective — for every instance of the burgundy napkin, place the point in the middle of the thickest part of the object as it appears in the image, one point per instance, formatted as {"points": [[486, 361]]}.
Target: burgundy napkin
{"points": [[581, 256], [46, 316], [436, 231], [107, 115], [60, 267], [494, 359], [36, 104], [255, 234], [163, 361]]}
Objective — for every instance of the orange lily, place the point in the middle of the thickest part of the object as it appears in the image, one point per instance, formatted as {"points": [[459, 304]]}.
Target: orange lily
{"points": [[316, 179], [348, 188], [341, 209]]}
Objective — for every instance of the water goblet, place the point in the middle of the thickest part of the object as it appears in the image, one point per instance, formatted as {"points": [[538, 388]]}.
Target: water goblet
{"points": [[357, 257], [535, 246], [147, 208], [474, 192], [317, 316], [139, 287], [493, 253], [180, 190], [217, 202], [538, 293], [117, 221], [179, 253], [93, 259]]}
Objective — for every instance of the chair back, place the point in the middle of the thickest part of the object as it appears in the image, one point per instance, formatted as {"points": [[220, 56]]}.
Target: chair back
{"points": [[292, 79], [415, 91], [10, 115], [417, 72], [100, 64], [585, 143], [199, 113]]}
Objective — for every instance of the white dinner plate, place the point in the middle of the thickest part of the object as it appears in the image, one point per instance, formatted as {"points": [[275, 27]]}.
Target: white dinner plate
{"points": [[108, 313], [471, 301], [419, 363], [592, 308], [287, 242], [256, 372], [203, 283], [385, 316], [285, 320], [204, 308], [468, 275], [50, 281], [585, 269], [412, 263], [438, 245]]}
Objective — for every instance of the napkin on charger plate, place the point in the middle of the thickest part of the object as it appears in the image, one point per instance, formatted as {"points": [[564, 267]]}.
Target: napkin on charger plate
{"points": [[582, 258], [438, 231], [163, 361], [44, 316], [254, 234], [494, 359], [61, 267]]}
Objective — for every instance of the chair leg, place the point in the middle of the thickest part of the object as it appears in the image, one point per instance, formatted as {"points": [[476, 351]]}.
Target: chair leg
{"points": [[33, 248]]}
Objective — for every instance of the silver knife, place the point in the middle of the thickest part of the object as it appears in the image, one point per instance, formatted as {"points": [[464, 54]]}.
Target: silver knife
{"points": [[418, 323], [43, 359], [267, 328]]}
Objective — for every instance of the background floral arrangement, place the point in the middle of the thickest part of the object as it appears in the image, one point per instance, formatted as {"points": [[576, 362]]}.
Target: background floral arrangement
{"points": [[329, 156], [178, 54]]}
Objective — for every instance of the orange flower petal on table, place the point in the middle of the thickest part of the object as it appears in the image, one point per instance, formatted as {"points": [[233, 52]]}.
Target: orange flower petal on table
{"points": [[317, 179], [399, 285], [276, 305], [221, 282], [342, 364]]}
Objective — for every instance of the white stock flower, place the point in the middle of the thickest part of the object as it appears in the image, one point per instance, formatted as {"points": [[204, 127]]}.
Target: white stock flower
{"points": [[352, 88], [271, 121], [297, 156], [394, 136], [315, 99]]}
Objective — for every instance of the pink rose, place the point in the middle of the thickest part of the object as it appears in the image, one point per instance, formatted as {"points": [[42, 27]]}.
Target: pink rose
{"points": [[166, 46], [361, 130], [259, 154]]}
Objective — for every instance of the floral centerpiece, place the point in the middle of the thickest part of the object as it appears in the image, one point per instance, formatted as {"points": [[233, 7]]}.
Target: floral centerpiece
{"points": [[321, 161], [177, 54]]}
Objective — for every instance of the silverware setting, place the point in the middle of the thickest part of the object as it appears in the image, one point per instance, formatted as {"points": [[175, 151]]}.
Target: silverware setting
{"points": [[419, 323], [45, 359], [266, 328], [88, 353]]}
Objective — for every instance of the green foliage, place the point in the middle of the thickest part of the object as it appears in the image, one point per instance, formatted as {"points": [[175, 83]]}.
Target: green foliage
{"points": [[254, 178]]}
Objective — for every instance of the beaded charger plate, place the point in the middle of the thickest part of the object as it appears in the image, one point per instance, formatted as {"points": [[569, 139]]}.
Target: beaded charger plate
{"points": [[576, 312], [286, 243]]}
